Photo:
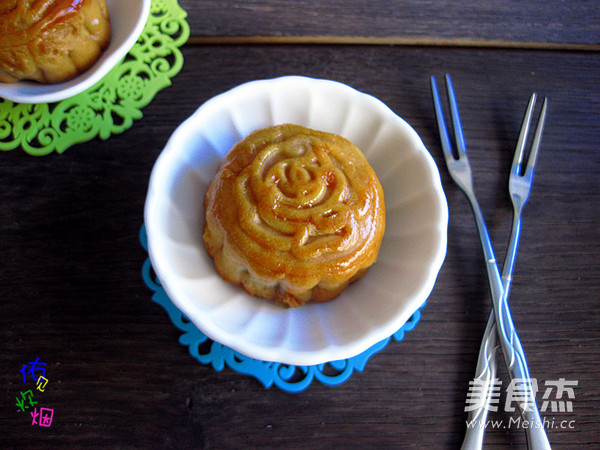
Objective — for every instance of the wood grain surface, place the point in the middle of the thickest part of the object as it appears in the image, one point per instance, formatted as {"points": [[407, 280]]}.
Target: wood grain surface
{"points": [[553, 22], [70, 266]]}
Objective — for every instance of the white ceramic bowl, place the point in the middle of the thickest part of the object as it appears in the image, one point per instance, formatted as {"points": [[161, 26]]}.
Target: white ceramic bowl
{"points": [[369, 310], [127, 21]]}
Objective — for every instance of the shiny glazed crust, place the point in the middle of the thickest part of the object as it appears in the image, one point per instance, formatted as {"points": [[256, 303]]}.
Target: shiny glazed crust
{"points": [[51, 41], [294, 215]]}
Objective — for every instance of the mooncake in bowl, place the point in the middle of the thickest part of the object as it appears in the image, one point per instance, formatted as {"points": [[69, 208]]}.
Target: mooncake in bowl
{"points": [[51, 41], [45, 41], [368, 310], [294, 215]]}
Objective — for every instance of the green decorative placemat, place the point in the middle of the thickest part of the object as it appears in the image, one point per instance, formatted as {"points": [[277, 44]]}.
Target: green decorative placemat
{"points": [[110, 106]]}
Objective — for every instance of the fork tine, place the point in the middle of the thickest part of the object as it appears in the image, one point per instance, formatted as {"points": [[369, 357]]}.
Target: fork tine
{"points": [[520, 148], [458, 133], [537, 137], [439, 114]]}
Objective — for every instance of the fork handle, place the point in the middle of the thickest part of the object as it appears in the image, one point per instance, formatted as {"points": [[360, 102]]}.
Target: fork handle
{"points": [[487, 361], [514, 356], [486, 374]]}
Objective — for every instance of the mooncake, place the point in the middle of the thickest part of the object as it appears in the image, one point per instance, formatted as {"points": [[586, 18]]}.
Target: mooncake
{"points": [[51, 41], [294, 215]]}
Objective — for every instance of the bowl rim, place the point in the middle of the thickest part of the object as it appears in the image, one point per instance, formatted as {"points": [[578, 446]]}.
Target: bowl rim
{"points": [[30, 92], [327, 353]]}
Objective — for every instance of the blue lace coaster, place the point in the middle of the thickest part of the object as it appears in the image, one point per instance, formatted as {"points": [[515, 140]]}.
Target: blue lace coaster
{"points": [[287, 377]]}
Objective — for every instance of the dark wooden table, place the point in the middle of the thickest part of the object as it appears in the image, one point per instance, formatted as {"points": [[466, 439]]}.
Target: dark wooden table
{"points": [[70, 267]]}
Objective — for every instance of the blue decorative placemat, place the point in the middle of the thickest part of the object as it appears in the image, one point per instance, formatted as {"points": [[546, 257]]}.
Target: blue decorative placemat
{"points": [[287, 377]]}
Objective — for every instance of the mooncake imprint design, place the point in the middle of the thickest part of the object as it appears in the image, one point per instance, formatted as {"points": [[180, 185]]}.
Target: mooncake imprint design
{"points": [[294, 215], [51, 41]]}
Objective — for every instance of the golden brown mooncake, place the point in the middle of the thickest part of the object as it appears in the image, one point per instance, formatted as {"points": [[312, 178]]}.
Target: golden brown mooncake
{"points": [[51, 41], [294, 215]]}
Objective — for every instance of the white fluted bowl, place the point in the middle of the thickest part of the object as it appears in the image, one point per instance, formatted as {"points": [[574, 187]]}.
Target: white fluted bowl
{"points": [[369, 310]]}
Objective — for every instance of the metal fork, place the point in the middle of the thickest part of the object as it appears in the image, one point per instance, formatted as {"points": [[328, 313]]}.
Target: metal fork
{"points": [[500, 324], [519, 189]]}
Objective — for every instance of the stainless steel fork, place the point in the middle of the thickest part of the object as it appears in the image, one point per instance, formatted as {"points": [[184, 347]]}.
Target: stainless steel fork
{"points": [[500, 324], [519, 188]]}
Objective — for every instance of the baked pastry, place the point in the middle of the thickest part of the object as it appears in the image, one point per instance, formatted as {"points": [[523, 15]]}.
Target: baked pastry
{"points": [[51, 41], [294, 215]]}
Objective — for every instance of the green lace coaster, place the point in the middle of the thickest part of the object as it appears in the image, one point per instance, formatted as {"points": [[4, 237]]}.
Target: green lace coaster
{"points": [[110, 106]]}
